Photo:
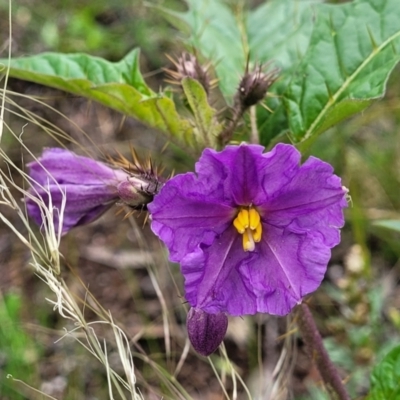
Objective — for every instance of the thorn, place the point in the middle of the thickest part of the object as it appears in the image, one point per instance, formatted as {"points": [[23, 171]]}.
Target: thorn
{"points": [[372, 40], [267, 108]]}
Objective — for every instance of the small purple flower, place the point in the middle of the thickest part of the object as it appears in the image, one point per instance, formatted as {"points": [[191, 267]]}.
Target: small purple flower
{"points": [[251, 230], [89, 187]]}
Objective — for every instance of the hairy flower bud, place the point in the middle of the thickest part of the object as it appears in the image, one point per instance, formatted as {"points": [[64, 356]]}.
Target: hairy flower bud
{"points": [[188, 66], [253, 87], [206, 331]]}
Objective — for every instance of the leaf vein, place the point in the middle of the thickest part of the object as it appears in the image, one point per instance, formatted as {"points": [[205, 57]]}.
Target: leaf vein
{"points": [[347, 82]]}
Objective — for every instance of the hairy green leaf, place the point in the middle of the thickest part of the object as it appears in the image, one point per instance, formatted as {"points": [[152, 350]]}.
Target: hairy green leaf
{"points": [[214, 30], [279, 32], [118, 85], [334, 59], [207, 126], [352, 50], [385, 378]]}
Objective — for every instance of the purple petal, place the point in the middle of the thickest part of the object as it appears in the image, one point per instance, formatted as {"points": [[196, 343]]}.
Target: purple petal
{"points": [[83, 204], [313, 200], [288, 267], [67, 167], [232, 174], [276, 168], [184, 215], [89, 187], [212, 282], [206, 331], [283, 269]]}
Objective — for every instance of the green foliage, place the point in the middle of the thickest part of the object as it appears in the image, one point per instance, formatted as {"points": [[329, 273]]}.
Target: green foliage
{"points": [[207, 126], [334, 59], [17, 350], [277, 30], [215, 31], [352, 50], [385, 378], [82, 31], [102, 28], [118, 85]]}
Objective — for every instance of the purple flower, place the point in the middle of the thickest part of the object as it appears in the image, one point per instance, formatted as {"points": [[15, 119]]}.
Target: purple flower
{"points": [[89, 187], [252, 231]]}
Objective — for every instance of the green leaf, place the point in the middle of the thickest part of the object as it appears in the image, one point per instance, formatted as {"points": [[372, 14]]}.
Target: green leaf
{"points": [[385, 378], [391, 224], [118, 85], [334, 59], [207, 126], [278, 31], [215, 32], [352, 51]]}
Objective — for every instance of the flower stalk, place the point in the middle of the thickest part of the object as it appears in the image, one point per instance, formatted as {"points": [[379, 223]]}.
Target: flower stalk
{"points": [[252, 90], [318, 353]]}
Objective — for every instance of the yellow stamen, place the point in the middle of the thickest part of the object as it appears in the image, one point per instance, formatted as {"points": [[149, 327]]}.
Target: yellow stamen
{"points": [[248, 224], [254, 218], [238, 225], [248, 242], [243, 217], [257, 233]]}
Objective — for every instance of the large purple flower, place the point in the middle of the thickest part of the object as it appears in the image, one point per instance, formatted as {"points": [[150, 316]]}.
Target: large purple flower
{"points": [[89, 187], [251, 230]]}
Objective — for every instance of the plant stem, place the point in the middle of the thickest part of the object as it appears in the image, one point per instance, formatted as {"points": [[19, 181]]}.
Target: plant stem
{"points": [[254, 138], [318, 353], [226, 135]]}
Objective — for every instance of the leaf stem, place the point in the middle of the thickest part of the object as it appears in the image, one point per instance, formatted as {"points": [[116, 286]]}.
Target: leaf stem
{"points": [[318, 353]]}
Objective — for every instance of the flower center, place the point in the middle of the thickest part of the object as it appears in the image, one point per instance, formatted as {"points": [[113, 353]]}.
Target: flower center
{"points": [[248, 224]]}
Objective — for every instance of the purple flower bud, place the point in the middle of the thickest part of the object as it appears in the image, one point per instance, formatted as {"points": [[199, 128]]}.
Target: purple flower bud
{"points": [[87, 187], [206, 331]]}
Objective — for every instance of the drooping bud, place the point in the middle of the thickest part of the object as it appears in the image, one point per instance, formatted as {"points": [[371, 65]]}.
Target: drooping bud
{"points": [[253, 87], [206, 331], [188, 66]]}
